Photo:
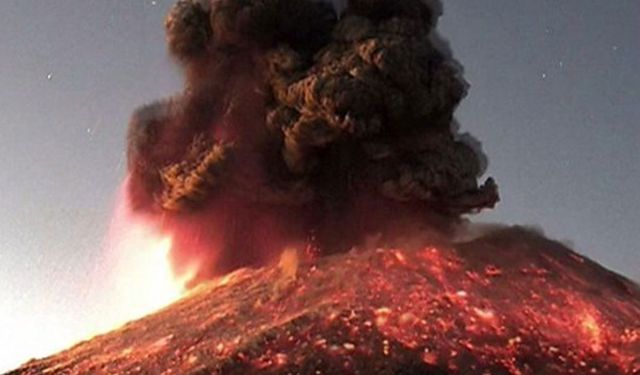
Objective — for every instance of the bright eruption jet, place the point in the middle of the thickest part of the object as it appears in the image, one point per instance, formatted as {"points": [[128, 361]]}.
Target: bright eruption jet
{"points": [[140, 273]]}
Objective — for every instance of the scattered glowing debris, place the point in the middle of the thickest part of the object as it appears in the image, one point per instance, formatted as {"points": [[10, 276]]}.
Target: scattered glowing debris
{"points": [[485, 314], [289, 261], [433, 307], [492, 271], [592, 329], [349, 346], [400, 257]]}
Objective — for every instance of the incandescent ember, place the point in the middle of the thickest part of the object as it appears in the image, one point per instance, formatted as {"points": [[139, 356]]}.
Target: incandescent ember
{"points": [[510, 302]]}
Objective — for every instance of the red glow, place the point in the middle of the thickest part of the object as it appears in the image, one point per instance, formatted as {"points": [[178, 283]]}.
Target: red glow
{"points": [[432, 299], [494, 307]]}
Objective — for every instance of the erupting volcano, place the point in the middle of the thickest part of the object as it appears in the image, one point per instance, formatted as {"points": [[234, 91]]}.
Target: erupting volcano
{"points": [[301, 126], [327, 129]]}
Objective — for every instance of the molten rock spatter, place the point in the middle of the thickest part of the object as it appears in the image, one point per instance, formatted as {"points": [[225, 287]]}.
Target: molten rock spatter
{"points": [[508, 303], [291, 107]]}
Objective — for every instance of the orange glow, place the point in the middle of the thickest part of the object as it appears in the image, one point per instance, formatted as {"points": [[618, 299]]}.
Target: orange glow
{"points": [[140, 275], [148, 281], [440, 306], [593, 332], [144, 278]]}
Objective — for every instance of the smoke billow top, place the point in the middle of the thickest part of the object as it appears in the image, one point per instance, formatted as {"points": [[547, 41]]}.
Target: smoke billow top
{"points": [[298, 125]]}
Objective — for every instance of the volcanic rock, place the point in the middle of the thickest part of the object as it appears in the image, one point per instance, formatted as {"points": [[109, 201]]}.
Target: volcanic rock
{"points": [[509, 302]]}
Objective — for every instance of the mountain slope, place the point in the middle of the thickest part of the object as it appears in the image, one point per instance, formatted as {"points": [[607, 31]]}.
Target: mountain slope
{"points": [[510, 302]]}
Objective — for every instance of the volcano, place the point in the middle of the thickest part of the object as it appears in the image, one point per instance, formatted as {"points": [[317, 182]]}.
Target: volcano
{"points": [[328, 127], [506, 302]]}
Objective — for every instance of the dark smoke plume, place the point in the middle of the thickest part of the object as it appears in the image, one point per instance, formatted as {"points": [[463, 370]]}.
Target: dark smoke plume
{"points": [[301, 125]]}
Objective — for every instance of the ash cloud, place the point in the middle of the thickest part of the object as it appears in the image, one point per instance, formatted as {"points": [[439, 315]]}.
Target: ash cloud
{"points": [[303, 121]]}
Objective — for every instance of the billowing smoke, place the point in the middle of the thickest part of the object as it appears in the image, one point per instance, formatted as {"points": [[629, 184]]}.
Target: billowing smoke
{"points": [[303, 122]]}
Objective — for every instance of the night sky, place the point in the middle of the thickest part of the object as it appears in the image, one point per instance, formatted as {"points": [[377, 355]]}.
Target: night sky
{"points": [[555, 99]]}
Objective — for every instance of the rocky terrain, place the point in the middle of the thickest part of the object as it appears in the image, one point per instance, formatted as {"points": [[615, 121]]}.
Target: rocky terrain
{"points": [[508, 302]]}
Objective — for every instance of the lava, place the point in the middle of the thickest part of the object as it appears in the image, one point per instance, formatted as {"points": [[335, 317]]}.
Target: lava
{"points": [[507, 303]]}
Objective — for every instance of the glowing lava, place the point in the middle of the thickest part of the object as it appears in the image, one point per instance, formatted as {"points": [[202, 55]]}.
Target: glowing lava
{"points": [[509, 303]]}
